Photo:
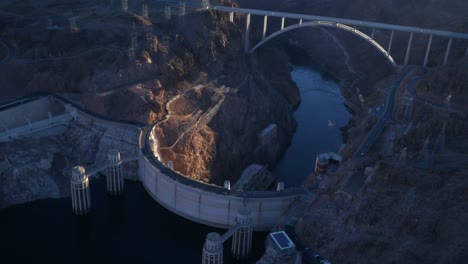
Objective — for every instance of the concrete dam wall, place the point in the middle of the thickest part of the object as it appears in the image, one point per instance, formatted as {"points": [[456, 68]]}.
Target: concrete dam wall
{"points": [[203, 203]]}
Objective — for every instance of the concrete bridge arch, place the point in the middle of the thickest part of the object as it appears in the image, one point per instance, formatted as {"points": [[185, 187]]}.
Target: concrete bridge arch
{"points": [[352, 30]]}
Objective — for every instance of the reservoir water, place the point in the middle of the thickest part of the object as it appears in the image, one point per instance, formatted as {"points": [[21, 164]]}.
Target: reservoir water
{"points": [[320, 116], [130, 229], [136, 229]]}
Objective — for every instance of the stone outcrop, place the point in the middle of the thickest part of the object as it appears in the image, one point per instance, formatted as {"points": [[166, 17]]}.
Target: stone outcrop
{"points": [[40, 168]]}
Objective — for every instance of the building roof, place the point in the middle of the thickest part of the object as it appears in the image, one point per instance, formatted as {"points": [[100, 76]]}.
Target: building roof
{"points": [[282, 240]]}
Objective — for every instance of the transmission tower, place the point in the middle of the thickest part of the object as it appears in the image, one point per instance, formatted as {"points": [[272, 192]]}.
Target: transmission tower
{"points": [[439, 145], [181, 11], [167, 12], [134, 35], [149, 36], [131, 53], [131, 50], [402, 157], [424, 156], [72, 24], [408, 102], [125, 6], [361, 98], [145, 12], [165, 42], [49, 23], [205, 4]]}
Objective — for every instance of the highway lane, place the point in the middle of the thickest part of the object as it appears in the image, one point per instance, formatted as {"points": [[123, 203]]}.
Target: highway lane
{"points": [[10, 50], [382, 122]]}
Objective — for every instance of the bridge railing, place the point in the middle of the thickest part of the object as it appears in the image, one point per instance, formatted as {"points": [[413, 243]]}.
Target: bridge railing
{"points": [[351, 22]]}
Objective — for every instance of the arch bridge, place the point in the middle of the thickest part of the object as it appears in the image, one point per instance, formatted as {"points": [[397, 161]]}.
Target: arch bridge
{"points": [[349, 25]]}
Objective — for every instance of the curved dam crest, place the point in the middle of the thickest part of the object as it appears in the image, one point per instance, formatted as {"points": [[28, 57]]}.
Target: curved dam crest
{"points": [[202, 203]]}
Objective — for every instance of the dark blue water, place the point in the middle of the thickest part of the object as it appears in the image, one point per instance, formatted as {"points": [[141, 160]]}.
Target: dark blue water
{"points": [[134, 228], [130, 229], [319, 117]]}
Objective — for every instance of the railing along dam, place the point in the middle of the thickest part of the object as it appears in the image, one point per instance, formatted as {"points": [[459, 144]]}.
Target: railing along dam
{"points": [[203, 203], [210, 204]]}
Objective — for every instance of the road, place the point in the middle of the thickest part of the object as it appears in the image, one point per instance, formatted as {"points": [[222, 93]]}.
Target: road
{"points": [[411, 88], [10, 51], [382, 122]]}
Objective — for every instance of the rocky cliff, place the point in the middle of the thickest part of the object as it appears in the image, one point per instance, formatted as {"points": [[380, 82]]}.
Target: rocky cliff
{"points": [[397, 205], [210, 133]]}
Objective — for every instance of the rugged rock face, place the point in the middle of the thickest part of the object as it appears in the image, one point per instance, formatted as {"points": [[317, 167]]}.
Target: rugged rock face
{"points": [[214, 142], [40, 168], [400, 214], [388, 207]]}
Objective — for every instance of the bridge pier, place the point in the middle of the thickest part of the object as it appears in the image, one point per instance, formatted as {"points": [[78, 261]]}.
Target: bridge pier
{"points": [[242, 239], [247, 33], [300, 21], [265, 24], [213, 249], [426, 57], [282, 23], [231, 17], [115, 179], [408, 50], [80, 195], [447, 52], [390, 42]]}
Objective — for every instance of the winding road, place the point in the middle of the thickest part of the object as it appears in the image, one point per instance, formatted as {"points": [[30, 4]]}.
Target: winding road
{"points": [[382, 122], [10, 51]]}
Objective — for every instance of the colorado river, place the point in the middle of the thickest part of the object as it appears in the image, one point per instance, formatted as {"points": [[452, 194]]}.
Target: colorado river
{"points": [[319, 117]]}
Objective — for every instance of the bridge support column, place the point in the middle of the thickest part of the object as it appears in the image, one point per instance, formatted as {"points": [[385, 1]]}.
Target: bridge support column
{"points": [[213, 249], [373, 33], [447, 52], [115, 179], [231, 16], [247, 33], [282, 23], [408, 50], [80, 195], [428, 50], [242, 239], [265, 25], [390, 42], [300, 21]]}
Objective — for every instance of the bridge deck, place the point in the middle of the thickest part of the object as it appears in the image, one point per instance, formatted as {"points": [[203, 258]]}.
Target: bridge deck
{"points": [[343, 21]]}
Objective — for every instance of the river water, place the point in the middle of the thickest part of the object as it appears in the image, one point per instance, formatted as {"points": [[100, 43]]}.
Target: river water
{"points": [[319, 117], [136, 229]]}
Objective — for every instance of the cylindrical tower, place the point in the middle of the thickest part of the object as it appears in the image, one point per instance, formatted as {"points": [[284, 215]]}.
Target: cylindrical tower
{"points": [[115, 180], [242, 239], [81, 197], [213, 249], [321, 164], [280, 186], [227, 184]]}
